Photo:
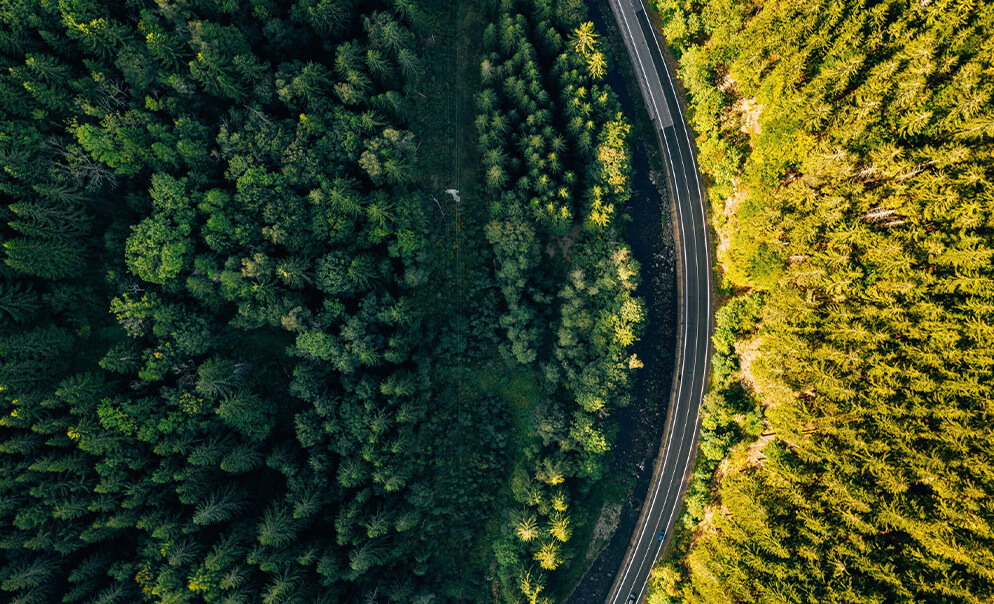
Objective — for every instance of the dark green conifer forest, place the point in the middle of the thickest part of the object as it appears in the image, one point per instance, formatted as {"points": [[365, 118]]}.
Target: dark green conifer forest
{"points": [[246, 352], [848, 444]]}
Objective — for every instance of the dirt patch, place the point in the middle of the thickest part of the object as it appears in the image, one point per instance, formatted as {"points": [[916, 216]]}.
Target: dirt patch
{"points": [[606, 525], [728, 85], [749, 111], [745, 110], [748, 351], [729, 223], [754, 455], [724, 467]]}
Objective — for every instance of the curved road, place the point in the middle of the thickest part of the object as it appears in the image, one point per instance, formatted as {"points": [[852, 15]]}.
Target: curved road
{"points": [[680, 441]]}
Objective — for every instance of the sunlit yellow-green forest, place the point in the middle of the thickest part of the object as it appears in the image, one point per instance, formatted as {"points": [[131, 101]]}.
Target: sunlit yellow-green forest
{"points": [[848, 439]]}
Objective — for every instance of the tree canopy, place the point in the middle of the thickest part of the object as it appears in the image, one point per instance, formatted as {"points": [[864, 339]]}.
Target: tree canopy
{"points": [[850, 146], [236, 362]]}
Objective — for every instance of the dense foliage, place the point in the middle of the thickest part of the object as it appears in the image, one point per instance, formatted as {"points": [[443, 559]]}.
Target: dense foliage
{"points": [[850, 148], [227, 370], [553, 144]]}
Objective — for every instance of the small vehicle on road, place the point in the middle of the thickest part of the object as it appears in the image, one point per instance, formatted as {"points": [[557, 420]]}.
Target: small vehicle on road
{"points": [[661, 533], [632, 599]]}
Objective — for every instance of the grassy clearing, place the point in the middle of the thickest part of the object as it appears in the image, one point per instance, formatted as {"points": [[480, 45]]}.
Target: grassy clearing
{"points": [[521, 389], [446, 107], [447, 155]]}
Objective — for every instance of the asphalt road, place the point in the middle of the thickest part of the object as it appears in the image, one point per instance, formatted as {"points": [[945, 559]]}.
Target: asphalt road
{"points": [[679, 443]]}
